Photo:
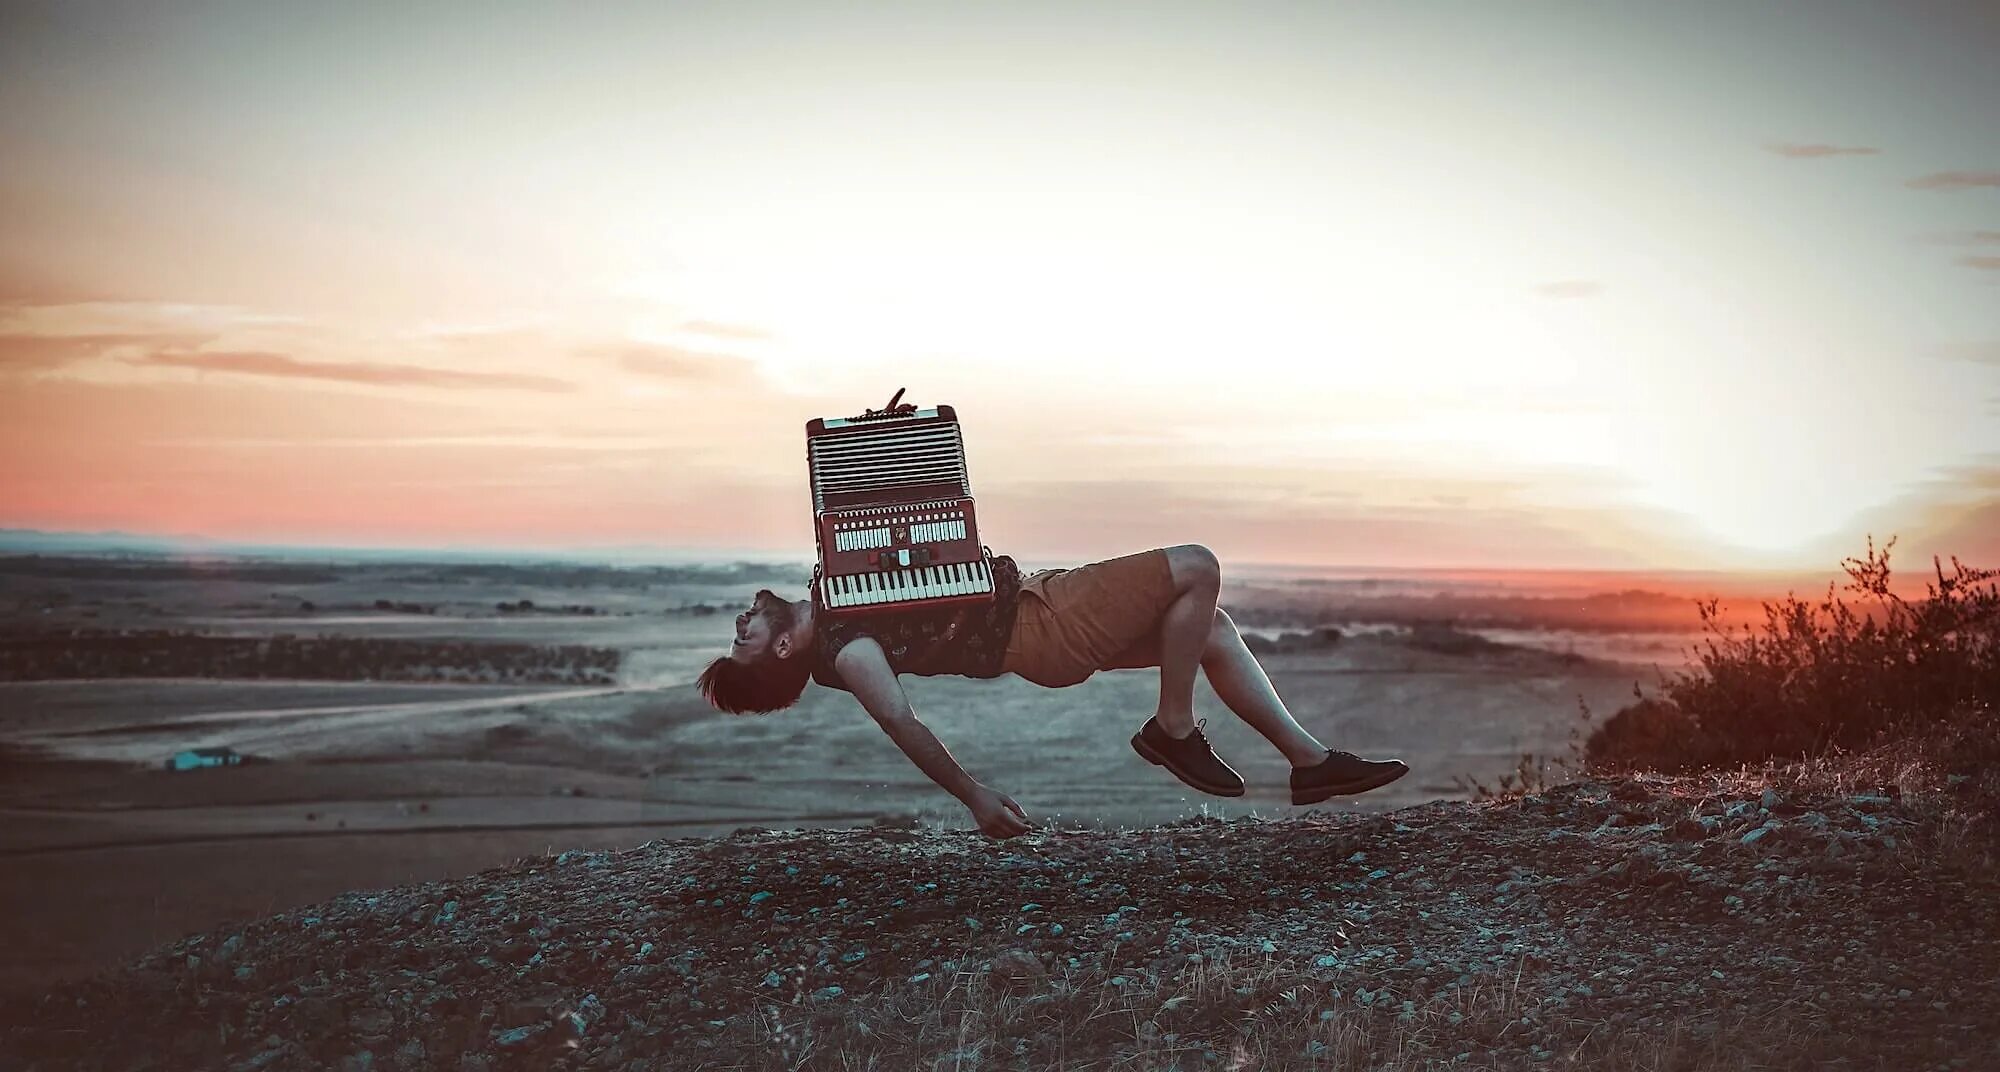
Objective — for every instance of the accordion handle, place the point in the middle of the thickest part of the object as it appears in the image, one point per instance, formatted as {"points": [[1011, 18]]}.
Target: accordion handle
{"points": [[892, 409]]}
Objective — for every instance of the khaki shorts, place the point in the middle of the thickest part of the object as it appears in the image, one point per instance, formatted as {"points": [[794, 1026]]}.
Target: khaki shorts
{"points": [[1071, 623]]}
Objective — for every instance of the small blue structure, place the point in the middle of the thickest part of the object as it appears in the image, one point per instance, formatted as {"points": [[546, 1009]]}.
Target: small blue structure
{"points": [[195, 758]]}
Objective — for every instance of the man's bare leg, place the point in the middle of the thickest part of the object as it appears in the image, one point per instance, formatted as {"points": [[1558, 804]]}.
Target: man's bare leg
{"points": [[1185, 632], [1239, 680], [1196, 632]]}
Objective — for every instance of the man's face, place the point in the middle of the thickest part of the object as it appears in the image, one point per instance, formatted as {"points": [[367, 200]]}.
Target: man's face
{"points": [[759, 627]]}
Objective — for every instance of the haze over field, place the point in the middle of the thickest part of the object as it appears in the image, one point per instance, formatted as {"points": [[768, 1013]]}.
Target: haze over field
{"points": [[1462, 285]]}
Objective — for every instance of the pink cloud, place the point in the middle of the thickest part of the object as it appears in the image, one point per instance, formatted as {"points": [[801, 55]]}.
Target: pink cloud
{"points": [[1813, 151], [261, 363], [1953, 181]]}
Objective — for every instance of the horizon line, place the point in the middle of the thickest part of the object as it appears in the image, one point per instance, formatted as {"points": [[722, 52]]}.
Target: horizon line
{"points": [[168, 544]]}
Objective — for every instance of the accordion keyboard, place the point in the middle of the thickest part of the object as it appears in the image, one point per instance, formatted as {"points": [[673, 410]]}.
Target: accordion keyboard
{"points": [[905, 585]]}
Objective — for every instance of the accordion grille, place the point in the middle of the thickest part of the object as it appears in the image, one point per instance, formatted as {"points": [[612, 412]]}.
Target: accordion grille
{"points": [[887, 459]]}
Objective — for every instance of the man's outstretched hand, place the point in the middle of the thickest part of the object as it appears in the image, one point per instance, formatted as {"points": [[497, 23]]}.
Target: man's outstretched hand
{"points": [[997, 814]]}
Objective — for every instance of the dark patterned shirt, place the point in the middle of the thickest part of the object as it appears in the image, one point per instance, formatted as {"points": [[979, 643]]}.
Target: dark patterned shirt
{"points": [[910, 637]]}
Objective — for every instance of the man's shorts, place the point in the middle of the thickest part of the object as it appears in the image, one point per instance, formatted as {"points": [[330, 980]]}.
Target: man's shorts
{"points": [[1071, 623]]}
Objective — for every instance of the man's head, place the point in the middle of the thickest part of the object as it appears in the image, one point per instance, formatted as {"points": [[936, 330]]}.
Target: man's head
{"points": [[768, 663]]}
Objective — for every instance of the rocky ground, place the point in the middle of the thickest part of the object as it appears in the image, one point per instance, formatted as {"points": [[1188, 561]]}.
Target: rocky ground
{"points": [[1710, 922]]}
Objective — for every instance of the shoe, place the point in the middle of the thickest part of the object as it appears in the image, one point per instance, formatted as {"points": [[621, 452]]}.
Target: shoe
{"points": [[1341, 773], [1189, 758]]}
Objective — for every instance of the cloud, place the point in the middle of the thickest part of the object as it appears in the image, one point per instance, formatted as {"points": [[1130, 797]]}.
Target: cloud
{"points": [[1954, 181], [1964, 238], [1570, 288], [34, 352], [263, 363], [724, 331], [677, 363], [1984, 264], [1814, 151], [1979, 353]]}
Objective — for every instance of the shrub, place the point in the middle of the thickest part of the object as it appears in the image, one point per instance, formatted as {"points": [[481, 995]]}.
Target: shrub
{"points": [[1822, 677]]}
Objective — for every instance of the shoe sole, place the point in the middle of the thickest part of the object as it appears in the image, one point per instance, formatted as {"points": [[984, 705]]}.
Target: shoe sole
{"points": [[1373, 781], [1152, 755]]}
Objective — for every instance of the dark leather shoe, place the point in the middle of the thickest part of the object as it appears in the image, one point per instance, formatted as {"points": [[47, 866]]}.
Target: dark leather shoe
{"points": [[1189, 758], [1341, 773]]}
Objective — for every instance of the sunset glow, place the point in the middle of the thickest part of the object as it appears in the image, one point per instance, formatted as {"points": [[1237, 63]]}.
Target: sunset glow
{"points": [[1375, 285]]}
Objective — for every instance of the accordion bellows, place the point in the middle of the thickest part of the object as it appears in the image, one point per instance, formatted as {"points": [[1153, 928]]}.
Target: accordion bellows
{"points": [[892, 512]]}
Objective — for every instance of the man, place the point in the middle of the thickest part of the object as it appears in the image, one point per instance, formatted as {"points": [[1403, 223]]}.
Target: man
{"points": [[1054, 628]]}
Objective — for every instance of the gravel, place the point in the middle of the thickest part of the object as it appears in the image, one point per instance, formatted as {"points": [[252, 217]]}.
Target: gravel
{"points": [[1624, 905]]}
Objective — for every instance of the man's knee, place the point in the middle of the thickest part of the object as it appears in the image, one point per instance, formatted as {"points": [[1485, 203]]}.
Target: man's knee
{"points": [[1194, 566]]}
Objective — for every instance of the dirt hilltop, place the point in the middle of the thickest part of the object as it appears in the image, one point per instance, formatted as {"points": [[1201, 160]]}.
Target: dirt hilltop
{"points": [[1695, 922]]}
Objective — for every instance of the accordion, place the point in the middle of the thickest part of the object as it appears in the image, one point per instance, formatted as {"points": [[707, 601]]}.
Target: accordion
{"points": [[892, 511]]}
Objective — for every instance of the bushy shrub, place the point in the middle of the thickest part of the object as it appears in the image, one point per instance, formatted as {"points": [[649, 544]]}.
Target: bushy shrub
{"points": [[1822, 677], [1652, 734]]}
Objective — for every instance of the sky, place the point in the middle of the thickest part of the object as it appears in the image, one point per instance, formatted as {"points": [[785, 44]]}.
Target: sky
{"points": [[1694, 285]]}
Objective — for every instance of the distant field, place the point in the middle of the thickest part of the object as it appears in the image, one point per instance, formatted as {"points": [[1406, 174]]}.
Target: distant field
{"points": [[41, 706]]}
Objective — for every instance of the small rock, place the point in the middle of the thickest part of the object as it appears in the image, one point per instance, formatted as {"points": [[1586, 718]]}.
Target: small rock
{"points": [[1017, 967], [368, 1022], [516, 1037]]}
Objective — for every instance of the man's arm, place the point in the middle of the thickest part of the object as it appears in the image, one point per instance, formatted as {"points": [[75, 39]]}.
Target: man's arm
{"points": [[865, 670]]}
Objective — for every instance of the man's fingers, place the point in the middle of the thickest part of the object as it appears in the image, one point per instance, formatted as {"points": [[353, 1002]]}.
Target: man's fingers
{"points": [[1013, 807]]}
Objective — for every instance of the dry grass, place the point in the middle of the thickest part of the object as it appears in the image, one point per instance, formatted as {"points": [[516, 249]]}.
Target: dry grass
{"points": [[1253, 1013]]}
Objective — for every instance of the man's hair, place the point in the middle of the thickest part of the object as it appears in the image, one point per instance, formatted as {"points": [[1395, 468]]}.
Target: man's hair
{"points": [[758, 687]]}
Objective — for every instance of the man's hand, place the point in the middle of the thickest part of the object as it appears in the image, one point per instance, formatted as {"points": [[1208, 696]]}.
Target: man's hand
{"points": [[997, 814]]}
